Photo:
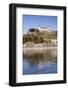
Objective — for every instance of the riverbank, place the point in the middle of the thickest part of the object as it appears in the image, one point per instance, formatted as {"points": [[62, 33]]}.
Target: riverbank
{"points": [[39, 48]]}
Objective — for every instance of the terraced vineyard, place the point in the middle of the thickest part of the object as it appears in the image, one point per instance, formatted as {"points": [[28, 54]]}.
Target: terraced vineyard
{"points": [[39, 37]]}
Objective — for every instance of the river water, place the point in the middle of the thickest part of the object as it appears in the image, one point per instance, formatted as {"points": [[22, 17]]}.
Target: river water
{"points": [[39, 61]]}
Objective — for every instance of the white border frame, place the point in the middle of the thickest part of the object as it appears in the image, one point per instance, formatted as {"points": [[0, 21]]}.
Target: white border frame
{"points": [[42, 77]]}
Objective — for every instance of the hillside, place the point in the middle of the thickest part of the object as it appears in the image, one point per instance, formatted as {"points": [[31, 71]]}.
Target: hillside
{"points": [[33, 35]]}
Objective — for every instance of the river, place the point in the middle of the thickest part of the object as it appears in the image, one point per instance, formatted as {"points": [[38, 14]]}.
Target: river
{"points": [[39, 61]]}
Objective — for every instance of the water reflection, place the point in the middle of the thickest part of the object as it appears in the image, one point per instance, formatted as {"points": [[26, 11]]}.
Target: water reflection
{"points": [[39, 61]]}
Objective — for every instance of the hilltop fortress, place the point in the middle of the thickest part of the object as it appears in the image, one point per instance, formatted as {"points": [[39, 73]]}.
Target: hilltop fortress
{"points": [[40, 29], [44, 29], [40, 35]]}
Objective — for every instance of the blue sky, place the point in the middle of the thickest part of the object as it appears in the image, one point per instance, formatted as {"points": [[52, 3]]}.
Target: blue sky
{"points": [[33, 21]]}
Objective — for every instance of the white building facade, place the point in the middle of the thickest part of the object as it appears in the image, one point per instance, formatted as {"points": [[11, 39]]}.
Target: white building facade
{"points": [[44, 29]]}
